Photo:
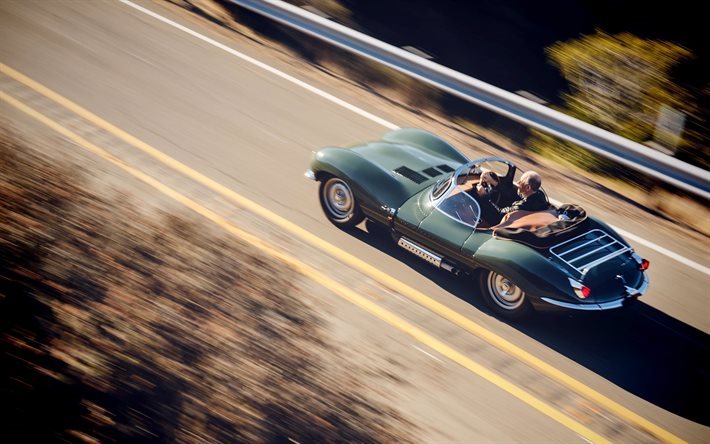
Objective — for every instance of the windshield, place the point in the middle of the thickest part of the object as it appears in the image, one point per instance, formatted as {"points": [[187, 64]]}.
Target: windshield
{"points": [[498, 167], [460, 206], [451, 197]]}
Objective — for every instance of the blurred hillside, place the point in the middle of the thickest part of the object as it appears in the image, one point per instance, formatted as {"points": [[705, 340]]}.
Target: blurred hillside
{"points": [[117, 325]]}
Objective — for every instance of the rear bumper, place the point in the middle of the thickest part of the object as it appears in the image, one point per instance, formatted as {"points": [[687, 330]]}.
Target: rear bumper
{"points": [[309, 174], [630, 296]]}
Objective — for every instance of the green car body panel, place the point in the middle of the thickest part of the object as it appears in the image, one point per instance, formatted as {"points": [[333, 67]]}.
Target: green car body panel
{"points": [[523, 265], [426, 142], [393, 179], [370, 168]]}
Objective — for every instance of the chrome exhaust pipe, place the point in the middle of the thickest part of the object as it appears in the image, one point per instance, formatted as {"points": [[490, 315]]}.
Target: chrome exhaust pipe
{"points": [[450, 268]]}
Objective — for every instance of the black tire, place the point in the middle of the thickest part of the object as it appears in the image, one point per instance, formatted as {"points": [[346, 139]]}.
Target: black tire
{"points": [[339, 203], [503, 296]]}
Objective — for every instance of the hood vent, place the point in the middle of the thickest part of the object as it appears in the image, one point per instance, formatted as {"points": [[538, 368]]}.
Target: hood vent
{"points": [[431, 172], [445, 168], [410, 174]]}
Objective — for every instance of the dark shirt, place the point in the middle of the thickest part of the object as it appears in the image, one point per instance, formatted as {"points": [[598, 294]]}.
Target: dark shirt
{"points": [[534, 202], [489, 212]]}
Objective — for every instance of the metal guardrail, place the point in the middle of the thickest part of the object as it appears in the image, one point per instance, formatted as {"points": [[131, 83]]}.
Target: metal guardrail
{"points": [[631, 154]]}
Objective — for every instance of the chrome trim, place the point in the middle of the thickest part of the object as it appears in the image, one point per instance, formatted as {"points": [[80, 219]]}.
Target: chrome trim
{"points": [[575, 248], [617, 303], [638, 291], [612, 304], [447, 267], [310, 175], [597, 236], [586, 307], [471, 163], [420, 251], [586, 267], [589, 253], [573, 283]]}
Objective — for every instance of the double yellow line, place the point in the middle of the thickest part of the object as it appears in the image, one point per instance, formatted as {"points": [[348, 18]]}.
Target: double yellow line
{"points": [[345, 257]]}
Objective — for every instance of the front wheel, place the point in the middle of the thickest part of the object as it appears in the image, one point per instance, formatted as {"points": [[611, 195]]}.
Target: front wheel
{"points": [[503, 296], [339, 203]]}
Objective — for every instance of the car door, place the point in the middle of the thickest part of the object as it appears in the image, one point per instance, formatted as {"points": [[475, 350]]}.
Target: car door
{"points": [[450, 224]]}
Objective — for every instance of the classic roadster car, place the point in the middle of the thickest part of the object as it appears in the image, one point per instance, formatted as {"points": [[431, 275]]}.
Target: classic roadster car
{"points": [[419, 187]]}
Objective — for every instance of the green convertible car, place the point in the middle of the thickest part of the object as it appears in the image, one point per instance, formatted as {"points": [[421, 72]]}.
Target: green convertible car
{"points": [[420, 188]]}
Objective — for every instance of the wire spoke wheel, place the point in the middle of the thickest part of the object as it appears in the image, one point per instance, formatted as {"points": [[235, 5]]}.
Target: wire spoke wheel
{"points": [[339, 203], [503, 296], [339, 199]]}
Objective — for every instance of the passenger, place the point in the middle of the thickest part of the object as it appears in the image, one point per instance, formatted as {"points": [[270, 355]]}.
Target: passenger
{"points": [[483, 191], [531, 196]]}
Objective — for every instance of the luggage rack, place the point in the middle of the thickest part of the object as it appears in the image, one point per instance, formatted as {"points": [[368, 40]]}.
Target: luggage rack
{"points": [[596, 245]]}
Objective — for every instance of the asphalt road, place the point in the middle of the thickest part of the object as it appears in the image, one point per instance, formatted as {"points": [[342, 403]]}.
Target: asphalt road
{"points": [[254, 132]]}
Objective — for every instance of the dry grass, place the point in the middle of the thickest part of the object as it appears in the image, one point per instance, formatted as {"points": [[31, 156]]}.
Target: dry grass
{"points": [[116, 326]]}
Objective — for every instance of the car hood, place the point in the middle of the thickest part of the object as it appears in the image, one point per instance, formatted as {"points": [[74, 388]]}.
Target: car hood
{"points": [[385, 173], [412, 168], [391, 156]]}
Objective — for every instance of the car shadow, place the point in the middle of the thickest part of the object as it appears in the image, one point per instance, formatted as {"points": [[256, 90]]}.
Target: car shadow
{"points": [[640, 349]]}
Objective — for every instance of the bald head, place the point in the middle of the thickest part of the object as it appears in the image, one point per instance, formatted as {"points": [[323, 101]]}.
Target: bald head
{"points": [[529, 183], [533, 179]]}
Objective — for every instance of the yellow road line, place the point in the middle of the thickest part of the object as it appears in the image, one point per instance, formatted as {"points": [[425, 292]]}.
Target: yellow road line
{"points": [[318, 277], [353, 261]]}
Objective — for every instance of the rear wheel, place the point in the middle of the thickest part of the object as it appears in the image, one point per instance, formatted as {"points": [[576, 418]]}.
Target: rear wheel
{"points": [[339, 203], [503, 296]]}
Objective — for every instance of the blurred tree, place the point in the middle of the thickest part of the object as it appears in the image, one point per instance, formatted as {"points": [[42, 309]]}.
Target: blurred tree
{"points": [[333, 9], [618, 83]]}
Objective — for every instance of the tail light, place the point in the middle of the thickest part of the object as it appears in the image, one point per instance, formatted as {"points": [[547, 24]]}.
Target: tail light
{"points": [[643, 263], [582, 291]]}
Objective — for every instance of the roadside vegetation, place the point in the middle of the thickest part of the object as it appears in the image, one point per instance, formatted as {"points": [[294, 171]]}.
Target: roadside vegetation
{"points": [[621, 83], [122, 326]]}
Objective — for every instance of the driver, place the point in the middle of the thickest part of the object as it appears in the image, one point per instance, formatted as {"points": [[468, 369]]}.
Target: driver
{"points": [[483, 191]]}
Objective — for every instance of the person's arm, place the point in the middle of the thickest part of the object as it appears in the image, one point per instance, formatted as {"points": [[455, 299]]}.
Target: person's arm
{"points": [[517, 205]]}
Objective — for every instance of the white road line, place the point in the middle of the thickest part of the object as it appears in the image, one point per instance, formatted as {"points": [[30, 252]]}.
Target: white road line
{"points": [[274, 71], [685, 261], [387, 124], [426, 353]]}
